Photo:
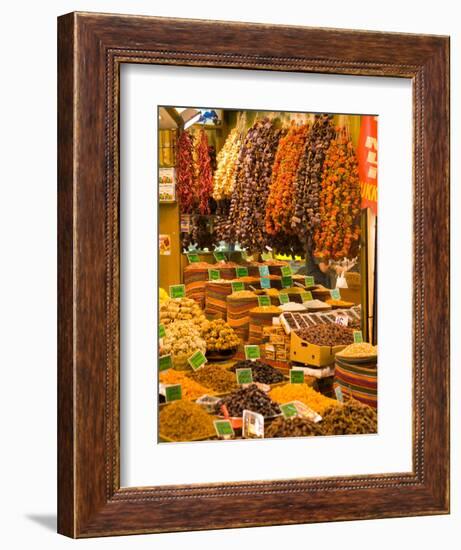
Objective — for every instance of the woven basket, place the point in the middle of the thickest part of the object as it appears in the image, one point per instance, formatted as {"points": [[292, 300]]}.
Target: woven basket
{"points": [[238, 310], [360, 381]]}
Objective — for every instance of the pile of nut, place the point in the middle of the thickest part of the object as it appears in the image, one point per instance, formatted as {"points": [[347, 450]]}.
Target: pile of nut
{"points": [[250, 398], [327, 335], [181, 309], [219, 336], [262, 372], [182, 339]]}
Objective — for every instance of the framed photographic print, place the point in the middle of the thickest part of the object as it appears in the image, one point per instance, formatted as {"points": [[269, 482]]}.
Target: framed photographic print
{"points": [[229, 267]]}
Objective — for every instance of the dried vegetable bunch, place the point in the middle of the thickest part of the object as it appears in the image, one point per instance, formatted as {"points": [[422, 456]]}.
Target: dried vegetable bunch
{"points": [[246, 222], [204, 174], [338, 234], [280, 203], [224, 177], [185, 173], [307, 183]]}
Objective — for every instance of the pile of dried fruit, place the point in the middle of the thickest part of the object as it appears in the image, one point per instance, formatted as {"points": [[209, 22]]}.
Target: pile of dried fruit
{"points": [[337, 235], [184, 420], [304, 393], [293, 427], [246, 222], [250, 398], [262, 372], [215, 377], [189, 388], [307, 184], [352, 418], [327, 335], [220, 336]]}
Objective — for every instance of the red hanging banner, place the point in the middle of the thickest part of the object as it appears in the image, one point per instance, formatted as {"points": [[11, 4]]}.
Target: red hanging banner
{"points": [[367, 154]]}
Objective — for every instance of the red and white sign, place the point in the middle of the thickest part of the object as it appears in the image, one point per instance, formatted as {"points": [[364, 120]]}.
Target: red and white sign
{"points": [[367, 154]]}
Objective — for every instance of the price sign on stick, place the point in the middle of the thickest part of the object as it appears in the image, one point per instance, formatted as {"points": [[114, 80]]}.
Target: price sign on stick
{"points": [[164, 362], [335, 294], [289, 410], [214, 274], [193, 257], [265, 282], [219, 256], [296, 376], [224, 429], [237, 287], [287, 281], [252, 352], [284, 298], [306, 296], [177, 291], [285, 270], [263, 270], [309, 280], [161, 331], [241, 272], [244, 376], [173, 393], [264, 301], [358, 338], [197, 360]]}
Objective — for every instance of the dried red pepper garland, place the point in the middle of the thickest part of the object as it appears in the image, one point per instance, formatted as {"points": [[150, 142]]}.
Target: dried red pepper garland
{"points": [[204, 174], [185, 173], [338, 234]]}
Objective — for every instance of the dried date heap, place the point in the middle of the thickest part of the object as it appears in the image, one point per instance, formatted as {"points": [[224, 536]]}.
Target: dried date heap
{"points": [[327, 335], [246, 222], [250, 398], [293, 427], [337, 235], [307, 184], [262, 372], [352, 418]]}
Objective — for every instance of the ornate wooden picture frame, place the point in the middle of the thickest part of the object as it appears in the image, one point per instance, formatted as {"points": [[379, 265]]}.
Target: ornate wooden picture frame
{"points": [[92, 48]]}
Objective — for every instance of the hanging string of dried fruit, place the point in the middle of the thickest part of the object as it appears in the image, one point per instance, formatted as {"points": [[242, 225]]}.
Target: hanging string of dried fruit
{"points": [[185, 173], [280, 202], [246, 222], [307, 184], [204, 174], [224, 177], [337, 235]]}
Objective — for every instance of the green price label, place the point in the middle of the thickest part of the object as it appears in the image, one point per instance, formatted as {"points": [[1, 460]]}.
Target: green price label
{"points": [[287, 281], [263, 270], [219, 256], [214, 274], [223, 428], [193, 257], [252, 352], [237, 287], [335, 294], [339, 393], [241, 271], [309, 281], [161, 331], [173, 393], [164, 362], [358, 338], [266, 256], [177, 291], [264, 301], [265, 282], [197, 360], [296, 376], [244, 376], [289, 410], [286, 270], [284, 298], [306, 296]]}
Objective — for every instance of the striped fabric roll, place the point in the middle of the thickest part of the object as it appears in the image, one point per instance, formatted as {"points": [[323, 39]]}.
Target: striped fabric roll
{"points": [[238, 314], [358, 380]]}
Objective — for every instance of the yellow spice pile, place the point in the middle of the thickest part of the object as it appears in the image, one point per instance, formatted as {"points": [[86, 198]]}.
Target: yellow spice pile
{"points": [[304, 393]]}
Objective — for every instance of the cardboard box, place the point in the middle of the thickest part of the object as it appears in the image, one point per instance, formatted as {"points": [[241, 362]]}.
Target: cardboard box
{"points": [[311, 354]]}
